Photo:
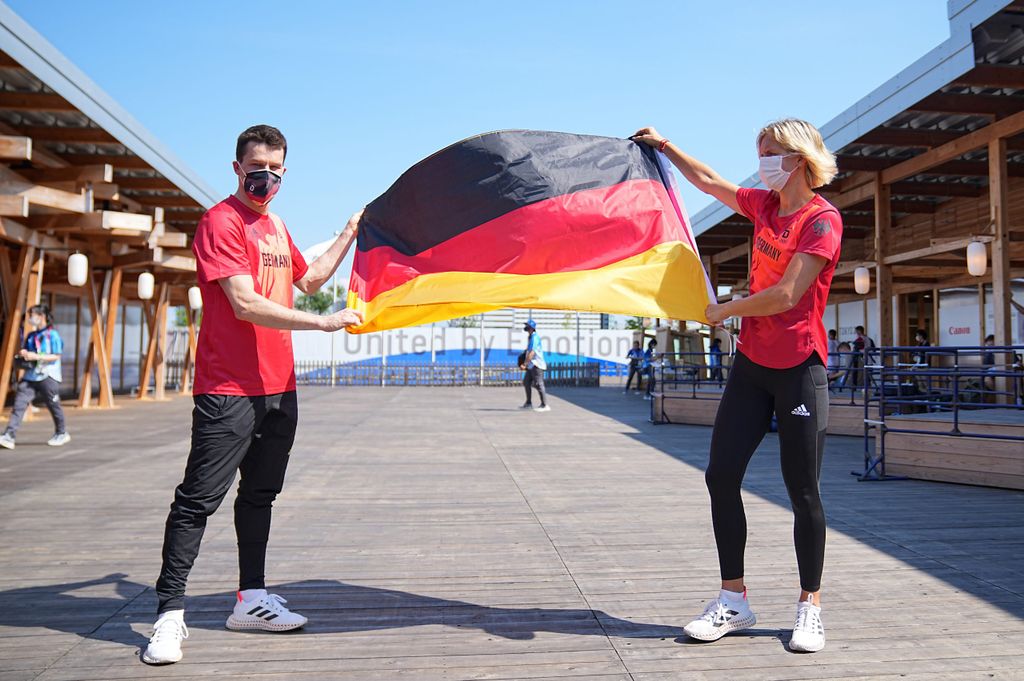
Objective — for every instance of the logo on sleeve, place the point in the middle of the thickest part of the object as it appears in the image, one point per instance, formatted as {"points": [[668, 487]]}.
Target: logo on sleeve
{"points": [[821, 226]]}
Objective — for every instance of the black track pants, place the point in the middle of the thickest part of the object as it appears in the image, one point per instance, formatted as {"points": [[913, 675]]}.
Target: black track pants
{"points": [[252, 435], [799, 398]]}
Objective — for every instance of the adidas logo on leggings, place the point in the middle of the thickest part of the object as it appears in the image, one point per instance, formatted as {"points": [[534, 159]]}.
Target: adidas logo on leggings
{"points": [[800, 411]]}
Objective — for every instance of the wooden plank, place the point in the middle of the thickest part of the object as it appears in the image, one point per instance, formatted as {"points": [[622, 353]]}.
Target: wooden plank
{"points": [[935, 249], [99, 347], [33, 101], [100, 220], [993, 76], [1006, 127], [13, 205], [68, 134], [112, 303], [733, 253], [15, 148], [99, 172], [190, 351], [39, 195]]}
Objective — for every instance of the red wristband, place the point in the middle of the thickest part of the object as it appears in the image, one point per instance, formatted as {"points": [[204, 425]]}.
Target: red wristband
{"points": [[664, 143]]}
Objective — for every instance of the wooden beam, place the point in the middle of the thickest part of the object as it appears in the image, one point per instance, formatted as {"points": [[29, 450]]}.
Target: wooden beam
{"points": [[166, 201], [993, 76], [907, 137], [854, 196], [1011, 125], [20, 234], [934, 249], [100, 220], [937, 189], [117, 160], [15, 148], [970, 104], [99, 172], [150, 318], [38, 195], [733, 253], [68, 134], [14, 205], [999, 207], [97, 355], [34, 101], [113, 301], [129, 182], [883, 273], [141, 258], [190, 352], [160, 368], [13, 325]]}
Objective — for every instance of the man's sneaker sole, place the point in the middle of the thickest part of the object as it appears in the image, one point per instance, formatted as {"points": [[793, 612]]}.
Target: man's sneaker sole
{"points": [[148, 660], [236, 624], [727, 628]]}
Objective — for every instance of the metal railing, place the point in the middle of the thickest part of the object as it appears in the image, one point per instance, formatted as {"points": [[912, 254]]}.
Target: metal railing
{"points": [[898, 381], [584, 374]]}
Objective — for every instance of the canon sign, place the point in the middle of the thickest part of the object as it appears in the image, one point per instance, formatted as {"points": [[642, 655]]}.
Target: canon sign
{"points": [[959, 330]]}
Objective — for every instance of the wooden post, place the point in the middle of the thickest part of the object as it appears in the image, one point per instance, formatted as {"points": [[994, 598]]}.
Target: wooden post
{"points": [[190, 352], [883, 290], [1001, 290], [160, 367], [113, 301], [981, 314], [99, 355], [35, 282], [12, 330], [149, 317], [7, 282]]}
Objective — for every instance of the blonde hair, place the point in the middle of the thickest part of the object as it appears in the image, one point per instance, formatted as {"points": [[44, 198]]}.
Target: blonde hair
{"points": [[800, 137]]}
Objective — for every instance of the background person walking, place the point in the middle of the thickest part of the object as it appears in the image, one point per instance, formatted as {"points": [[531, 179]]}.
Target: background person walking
{"points": [[42, 349], [534, 366]]}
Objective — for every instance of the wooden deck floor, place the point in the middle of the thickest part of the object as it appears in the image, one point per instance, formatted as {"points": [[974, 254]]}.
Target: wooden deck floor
{"points": [[437, 534]]}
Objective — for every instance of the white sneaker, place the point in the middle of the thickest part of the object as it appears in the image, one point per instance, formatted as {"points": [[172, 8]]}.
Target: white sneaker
{"points": [[720, 618], [267, 613], [165, 645], [543, 407], [808, 631], [6, 441], [59, 440]]}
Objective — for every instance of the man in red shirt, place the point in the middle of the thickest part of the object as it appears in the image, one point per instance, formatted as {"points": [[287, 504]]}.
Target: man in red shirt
{"points": [[245, 405]]}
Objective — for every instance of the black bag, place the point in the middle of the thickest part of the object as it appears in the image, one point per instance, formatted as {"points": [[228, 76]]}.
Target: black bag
{"points": [[22, 363], [521, 362]]}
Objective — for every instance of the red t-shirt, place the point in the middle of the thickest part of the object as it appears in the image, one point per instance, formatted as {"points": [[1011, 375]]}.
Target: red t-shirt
{"points": [[786, 339], [235, 357]]}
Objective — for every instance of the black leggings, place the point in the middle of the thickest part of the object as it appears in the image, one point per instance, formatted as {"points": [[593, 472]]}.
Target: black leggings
{"points": [[799, 398]]}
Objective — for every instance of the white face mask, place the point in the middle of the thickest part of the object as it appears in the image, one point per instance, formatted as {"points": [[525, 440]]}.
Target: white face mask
{"points": [[772, 174]]}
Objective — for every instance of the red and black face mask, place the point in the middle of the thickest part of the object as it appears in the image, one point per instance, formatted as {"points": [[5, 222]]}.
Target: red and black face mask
{"points": [[261, 185]]}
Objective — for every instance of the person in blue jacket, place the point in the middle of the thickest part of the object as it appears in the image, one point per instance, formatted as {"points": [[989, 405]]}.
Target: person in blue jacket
{"points": [[647, 367], [41, 351], [534, 365]]}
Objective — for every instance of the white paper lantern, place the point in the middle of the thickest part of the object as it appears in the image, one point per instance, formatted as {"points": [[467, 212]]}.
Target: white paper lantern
{"points": [[977, 258], [195, 298], [78, 269], [146, 284], [862, 280]]}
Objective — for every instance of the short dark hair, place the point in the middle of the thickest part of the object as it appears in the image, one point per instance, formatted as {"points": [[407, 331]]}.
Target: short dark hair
{"points": [[260, 134], [832, 332], [859, 328], [44, 311], [991, 337]]}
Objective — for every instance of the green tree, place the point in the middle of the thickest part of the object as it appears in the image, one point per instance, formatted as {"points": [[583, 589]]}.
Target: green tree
{"points": [[321, 301], [636, 323]]}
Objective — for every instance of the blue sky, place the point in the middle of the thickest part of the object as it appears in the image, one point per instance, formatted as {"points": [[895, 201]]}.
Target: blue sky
{"points": [[363, 90]]}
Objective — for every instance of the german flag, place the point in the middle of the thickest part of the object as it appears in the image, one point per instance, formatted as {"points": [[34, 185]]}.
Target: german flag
{"points": [[528, 219]]}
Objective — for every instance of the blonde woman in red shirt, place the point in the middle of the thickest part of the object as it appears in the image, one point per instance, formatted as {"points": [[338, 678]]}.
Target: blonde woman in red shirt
{"points": [[780, 362]]}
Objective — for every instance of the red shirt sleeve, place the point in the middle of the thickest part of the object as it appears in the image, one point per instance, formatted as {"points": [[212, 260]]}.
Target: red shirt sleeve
{"points": [[822, 236], [220, 248], [299, 266], [751, 201]]}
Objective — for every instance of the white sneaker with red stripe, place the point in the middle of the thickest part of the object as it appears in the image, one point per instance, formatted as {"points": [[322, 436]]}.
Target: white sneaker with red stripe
{"points": [[266, 612]]}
